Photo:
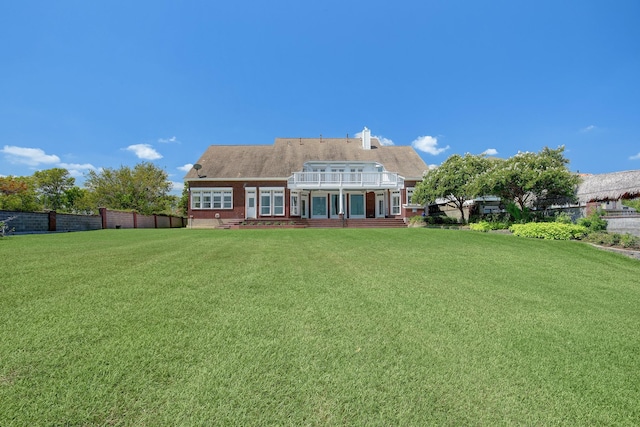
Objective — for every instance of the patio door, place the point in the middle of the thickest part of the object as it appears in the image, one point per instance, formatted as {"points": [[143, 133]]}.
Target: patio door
{"points": [[381, 211], [356, 206], [250, 208], [303, 207], [319, 206]]}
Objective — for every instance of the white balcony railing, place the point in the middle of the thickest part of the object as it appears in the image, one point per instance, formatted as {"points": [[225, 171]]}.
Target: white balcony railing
{"points": [[347, 180]]}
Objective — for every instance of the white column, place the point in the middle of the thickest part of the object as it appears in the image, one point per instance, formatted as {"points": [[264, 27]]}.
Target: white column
{"points": [[340, 203]]}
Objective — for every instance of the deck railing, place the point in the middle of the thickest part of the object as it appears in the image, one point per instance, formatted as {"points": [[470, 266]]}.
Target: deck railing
{"points": [[333, 180]]}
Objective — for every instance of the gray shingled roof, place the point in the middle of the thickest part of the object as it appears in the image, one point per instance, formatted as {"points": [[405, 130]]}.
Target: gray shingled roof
{"points": [[287, 155], [609, 186]]}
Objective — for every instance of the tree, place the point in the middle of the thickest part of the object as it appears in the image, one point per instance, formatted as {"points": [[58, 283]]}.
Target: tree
{"points": [[53, 185], [143, 189], [453, 181], [531, 179], [184, 200], [17, 193]]}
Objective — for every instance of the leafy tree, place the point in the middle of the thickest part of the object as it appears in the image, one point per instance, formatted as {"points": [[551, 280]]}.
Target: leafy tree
{"points": [[531, 179], [144, 188], [184, 200], [453, 181], [79, 201], [17, 193], [52, 185]]}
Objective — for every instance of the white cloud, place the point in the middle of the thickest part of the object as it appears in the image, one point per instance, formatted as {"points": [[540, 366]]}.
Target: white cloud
{"points": [[168, 140], [428, 144], [76, 169], [382, 139], [144, 151], [490, 152], [185, 168], [177, 186], [29, 156], [588, 128], [636, 157]]}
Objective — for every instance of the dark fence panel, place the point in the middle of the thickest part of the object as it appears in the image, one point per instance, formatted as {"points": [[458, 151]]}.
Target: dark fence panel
{"points": [[42, 222]]}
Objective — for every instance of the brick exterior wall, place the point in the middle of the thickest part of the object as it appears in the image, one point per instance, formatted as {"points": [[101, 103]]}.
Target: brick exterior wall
{"points": [[215, 217]]}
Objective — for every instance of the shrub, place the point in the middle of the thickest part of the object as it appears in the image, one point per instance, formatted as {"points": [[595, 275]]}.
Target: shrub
{"points": [[417, 220], [629, 241], [489, 225], [482, 226], [4, 226], [563, 218], [549, 230], [603, 238], [593, 222]]}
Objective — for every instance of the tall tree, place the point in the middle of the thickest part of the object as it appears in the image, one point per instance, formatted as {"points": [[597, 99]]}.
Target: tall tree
{"points": [[453, 181], [144, 188], [17, 193], [531, 179], [52, 186]]}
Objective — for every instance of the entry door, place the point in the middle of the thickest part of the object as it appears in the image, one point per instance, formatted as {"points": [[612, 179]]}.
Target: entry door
{"points": [[356, 206], [250, 209], [380, 206]]}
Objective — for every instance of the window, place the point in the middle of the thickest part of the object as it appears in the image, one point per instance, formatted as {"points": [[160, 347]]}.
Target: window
{"points": [[409, 194], [265, 203], [272, 201], [212, 198], [196, 198], [278, 202], [395, 203]]}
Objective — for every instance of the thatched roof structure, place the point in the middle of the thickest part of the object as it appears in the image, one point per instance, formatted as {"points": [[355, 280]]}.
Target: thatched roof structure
{"points": [[609, 186], [288, 155]]}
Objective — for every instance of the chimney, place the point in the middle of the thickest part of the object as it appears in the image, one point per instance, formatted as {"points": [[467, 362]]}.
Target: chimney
{"points": [[366, 139]]}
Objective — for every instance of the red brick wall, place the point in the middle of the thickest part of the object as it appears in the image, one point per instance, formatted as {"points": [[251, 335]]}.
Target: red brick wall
{"points": [[239, 202]]}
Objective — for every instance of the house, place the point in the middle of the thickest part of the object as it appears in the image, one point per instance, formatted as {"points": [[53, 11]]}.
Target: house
{"points": [[304, 179], [606, 191]]}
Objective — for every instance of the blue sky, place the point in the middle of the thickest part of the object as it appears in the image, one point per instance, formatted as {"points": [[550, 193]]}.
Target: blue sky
{"points": [[94, 84]]}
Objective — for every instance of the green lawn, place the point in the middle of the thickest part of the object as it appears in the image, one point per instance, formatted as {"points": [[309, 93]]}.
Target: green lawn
{"points": [[316, 327]]}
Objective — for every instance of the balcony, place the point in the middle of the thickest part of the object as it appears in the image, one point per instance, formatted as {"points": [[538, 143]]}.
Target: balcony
{"points": [[345, 180]]}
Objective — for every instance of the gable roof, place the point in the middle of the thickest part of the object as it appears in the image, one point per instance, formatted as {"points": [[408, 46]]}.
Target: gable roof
{"points": [[609, 186], [288, 155]]}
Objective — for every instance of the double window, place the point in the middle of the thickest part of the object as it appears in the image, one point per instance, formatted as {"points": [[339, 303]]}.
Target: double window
{"points": [[272, 201], [212, 198]]}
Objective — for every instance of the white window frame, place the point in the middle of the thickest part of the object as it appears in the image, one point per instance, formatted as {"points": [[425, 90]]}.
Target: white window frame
{"points": [[272, 195], [409, 194], [205, 198], [395, 202]]}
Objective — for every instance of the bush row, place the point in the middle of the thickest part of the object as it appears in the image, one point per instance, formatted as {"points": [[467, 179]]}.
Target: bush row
{"points": [[549, 230]]}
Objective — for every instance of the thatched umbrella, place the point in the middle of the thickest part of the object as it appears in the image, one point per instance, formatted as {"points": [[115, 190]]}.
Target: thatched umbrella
{"points": [[609, 186]]}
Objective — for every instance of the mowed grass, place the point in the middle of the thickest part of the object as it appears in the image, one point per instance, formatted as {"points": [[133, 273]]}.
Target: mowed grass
{"points": [[316, 327]]}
